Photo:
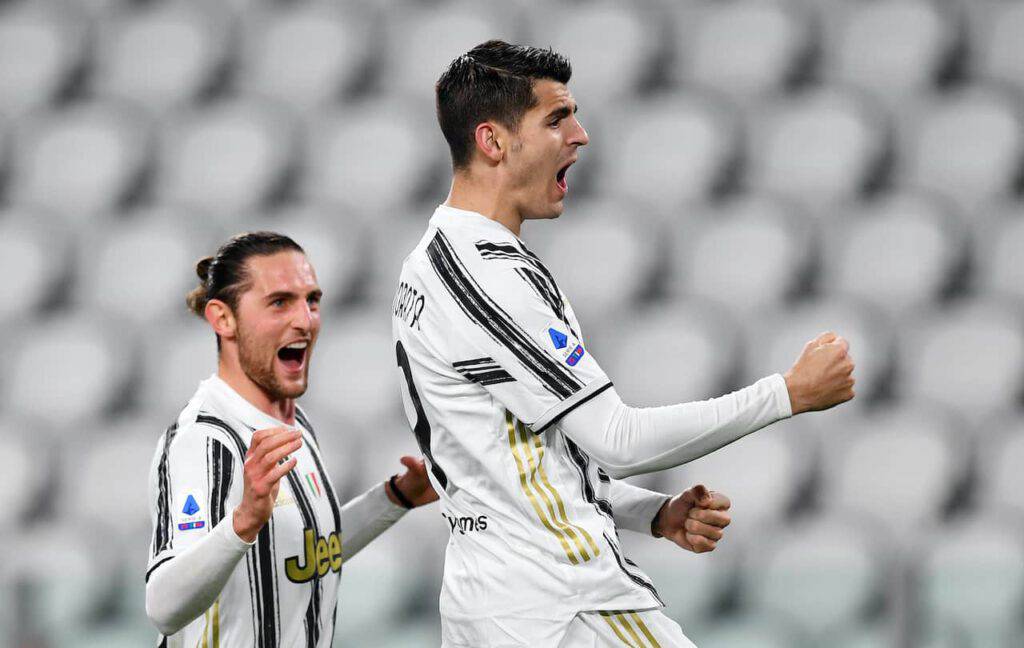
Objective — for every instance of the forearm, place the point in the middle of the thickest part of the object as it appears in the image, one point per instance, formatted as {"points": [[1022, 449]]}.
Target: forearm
{"points": [[184, 587], [635, 508], [366, 517], [630, 441]]}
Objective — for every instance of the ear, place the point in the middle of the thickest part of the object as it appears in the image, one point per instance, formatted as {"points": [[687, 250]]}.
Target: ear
{"points": [[221, 319], [490, 141]]}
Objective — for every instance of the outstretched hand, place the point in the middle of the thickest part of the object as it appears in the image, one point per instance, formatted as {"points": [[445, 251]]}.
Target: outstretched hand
{"points": [[694, 519], [414, 483]]}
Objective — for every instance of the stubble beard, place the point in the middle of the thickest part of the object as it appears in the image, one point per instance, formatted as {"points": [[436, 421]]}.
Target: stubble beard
{"points": [[258, 365]]}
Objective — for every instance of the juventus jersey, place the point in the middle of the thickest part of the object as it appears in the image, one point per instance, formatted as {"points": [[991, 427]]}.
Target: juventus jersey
{"points": [[492, 357], [284, 590]]}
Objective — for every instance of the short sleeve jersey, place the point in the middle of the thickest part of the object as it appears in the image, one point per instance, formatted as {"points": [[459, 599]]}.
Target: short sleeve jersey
{"points": [[284, 590], [491, 358]]}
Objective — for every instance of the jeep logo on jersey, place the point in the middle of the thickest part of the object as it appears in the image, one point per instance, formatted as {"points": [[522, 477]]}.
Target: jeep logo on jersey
{"points": [[322, 555]]}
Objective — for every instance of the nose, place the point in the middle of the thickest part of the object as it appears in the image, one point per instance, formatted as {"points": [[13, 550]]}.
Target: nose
{"points": [[579, 135], [303, 317]]}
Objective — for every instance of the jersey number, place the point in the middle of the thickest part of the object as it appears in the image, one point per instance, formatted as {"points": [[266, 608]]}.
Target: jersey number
{"points": [[422, 428]]}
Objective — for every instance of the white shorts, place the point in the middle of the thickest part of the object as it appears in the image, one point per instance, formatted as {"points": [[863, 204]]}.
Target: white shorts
{"points": [[620, 629]]}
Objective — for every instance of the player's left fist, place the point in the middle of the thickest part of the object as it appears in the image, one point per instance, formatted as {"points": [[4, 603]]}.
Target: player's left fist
{"points": [[695, 519]]}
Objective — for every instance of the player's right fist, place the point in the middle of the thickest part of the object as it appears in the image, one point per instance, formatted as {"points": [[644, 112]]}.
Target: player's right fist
{"points": [[822, 377], [265, 465]]}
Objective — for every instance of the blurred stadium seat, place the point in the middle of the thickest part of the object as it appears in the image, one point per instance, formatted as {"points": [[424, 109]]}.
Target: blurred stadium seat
{"points": [[816, 148], [79, 161], [227, 159], [612, 45], [36, 250], [42, 46], [163, 55], [143, 264], [899, 252], [307, 55], [1001, 46], [821, 574], [18, 481], [1000, 478], [897, 465], [369, 157], [746, 631], [973, 576], [968, 355], [775, 338], [644, 157], [67, 371], [390, 241], [743, 49], [999, 242], [176, 358], [767, 234], [894, 48], [968, 146], [670, 353]]}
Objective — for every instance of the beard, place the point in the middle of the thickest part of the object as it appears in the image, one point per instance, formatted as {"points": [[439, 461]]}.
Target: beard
{"points": [[257, 362]]}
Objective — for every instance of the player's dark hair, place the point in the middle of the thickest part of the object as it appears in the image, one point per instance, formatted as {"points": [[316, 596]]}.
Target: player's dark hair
{"points": [[225, 275], [494, 80]]}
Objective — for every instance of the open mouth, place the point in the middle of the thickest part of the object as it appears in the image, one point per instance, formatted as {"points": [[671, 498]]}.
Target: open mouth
{"points": [[560, 177], [293, 356]]}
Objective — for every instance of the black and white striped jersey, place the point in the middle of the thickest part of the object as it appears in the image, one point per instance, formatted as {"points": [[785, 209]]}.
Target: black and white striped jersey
{"points": [[492, 357], [284, 590]]}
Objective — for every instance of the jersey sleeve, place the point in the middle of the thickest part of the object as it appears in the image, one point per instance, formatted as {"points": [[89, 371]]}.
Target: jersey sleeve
{"points": [[194, 479], [508, 331]]}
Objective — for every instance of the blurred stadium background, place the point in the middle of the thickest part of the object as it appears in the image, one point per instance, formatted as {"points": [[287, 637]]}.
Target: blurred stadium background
{"points": [[759, 171]]}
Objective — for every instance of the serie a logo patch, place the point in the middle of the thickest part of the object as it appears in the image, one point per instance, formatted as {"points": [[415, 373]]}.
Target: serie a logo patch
{"points": [[564, 343], [191, 510]]}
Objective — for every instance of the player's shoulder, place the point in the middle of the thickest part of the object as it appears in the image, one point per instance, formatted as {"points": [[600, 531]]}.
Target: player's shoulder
{"points": [[198, 428]]}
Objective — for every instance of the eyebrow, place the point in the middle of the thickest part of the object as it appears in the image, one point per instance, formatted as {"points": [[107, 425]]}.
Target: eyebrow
{"points": [[287, 294], [563, 111]]}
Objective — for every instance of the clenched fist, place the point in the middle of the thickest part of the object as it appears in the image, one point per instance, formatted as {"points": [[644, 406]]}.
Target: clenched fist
{"points": [[261, 478], [694, 519], [822, 376]]}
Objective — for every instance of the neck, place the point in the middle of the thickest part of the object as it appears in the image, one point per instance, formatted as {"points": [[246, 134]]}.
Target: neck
{"points": [[484, 196], [282, 409]]}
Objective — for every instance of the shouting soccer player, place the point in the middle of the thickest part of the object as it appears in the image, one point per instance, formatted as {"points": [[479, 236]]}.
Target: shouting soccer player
{"points": [[521, 428], [240, 559]]}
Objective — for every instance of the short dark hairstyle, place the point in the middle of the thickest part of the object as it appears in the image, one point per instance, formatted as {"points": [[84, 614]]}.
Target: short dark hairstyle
{"points": [[225, 275], [494, 80]]}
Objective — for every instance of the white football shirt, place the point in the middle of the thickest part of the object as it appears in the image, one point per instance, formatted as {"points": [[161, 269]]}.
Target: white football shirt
{"points": [[491, 357]]}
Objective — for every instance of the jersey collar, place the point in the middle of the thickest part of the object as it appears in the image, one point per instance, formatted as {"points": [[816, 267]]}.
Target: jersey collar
{"points": [[240, 408], [453, 217]]}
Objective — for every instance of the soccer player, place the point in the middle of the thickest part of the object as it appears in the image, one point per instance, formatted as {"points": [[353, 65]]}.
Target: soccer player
{"points": [[249, 537], [524, 435]]}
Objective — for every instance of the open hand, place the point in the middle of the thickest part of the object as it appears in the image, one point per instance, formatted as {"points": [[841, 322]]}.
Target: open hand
{"points": [[261, 478], [414, 483]]}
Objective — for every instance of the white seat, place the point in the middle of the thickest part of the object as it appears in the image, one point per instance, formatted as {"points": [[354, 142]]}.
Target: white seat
{"points": [[611, 45], [355, 374], [968, 356], [306, 55], [967, 146], [645, 158], [999, 470], [81, 161], [163, 55], [671, 353], [775, 340], [1000, 272], [891, 47], [910, 457], [972, 574], [819, 573], [602, 259], [368, 158], [141, 268], [1002, 44], [816, 148], [773, 244], [227, 159], [747, 631], [390, 241], [744, 49], [335, 244], [36, 251], [66, 371], [899, 252], [176, 360], [41, 44], [18, 480]]}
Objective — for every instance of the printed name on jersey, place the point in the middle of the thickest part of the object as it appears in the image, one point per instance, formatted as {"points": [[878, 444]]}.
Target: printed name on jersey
{"points": [[564, 342], [408, 305], [192, 520], [323, 554], [466, 523]]}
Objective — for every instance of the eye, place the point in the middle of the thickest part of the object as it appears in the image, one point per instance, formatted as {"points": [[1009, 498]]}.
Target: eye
{"points": [[313, 300], [278, 303]]}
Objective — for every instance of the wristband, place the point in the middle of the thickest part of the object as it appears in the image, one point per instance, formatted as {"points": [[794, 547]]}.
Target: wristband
{"points": [[398, 494]]}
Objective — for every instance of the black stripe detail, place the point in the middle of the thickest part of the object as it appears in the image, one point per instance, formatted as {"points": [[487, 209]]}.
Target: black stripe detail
{"points": [[331, 496], [262, 569], [496, 322], [633, 577], [474, 362], [490, 377], [153, 568], [163, 642], [309, 521], [222, 466], [561, 415], [484, 371], [162, 530]]}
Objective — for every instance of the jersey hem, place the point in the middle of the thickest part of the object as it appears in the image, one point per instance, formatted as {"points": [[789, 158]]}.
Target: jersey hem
{"points": [[558, 412]]}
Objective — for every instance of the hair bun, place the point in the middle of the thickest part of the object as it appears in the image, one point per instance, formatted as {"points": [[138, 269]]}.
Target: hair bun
{"points": [[203, 268]]}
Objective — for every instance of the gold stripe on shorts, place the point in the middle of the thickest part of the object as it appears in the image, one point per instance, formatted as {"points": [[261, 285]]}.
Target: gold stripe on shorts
{"points": [[611, 617]]}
